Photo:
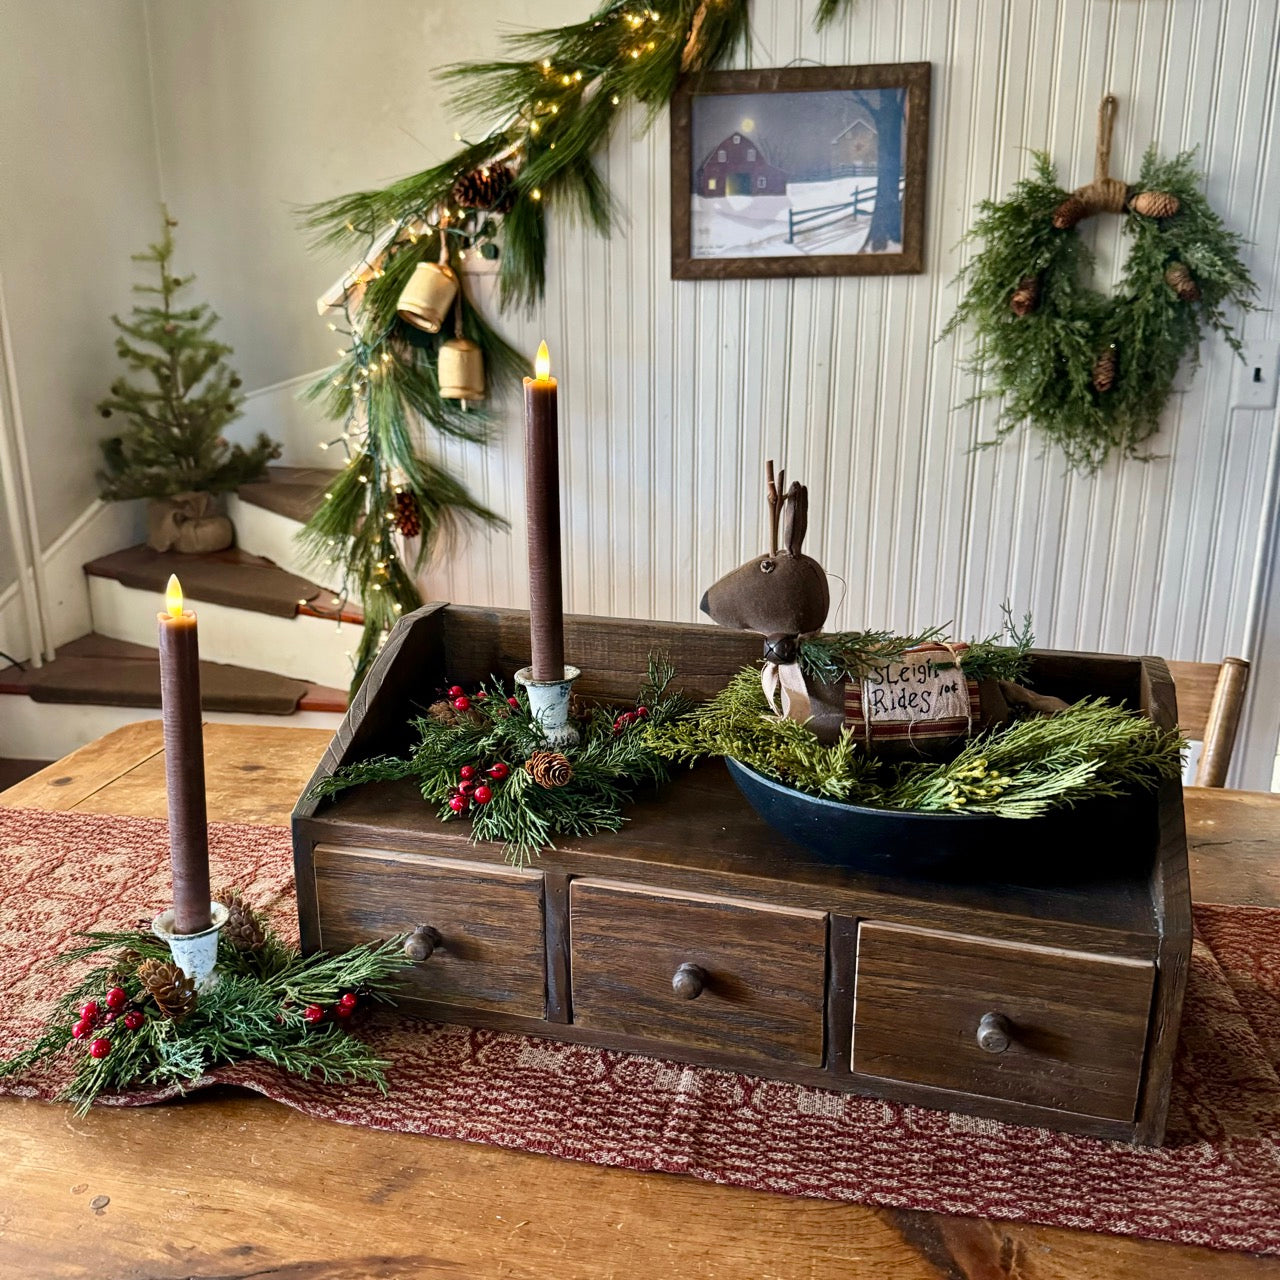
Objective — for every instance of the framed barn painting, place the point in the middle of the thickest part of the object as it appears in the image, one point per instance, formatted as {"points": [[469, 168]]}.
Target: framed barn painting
{"points": [[803, 171]]}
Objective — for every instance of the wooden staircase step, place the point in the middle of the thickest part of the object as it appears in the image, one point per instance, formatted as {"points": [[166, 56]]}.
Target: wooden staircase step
{"points": [[293, 492], [98, 671], [232, 578]]}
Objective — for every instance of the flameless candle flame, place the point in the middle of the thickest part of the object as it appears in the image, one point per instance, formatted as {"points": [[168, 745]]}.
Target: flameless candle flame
{"points": [[542, 363], [173, 596]]}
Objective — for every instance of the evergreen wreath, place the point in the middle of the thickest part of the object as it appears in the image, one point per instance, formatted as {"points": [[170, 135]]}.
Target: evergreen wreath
{"points": [[483, 756], [1020, 770], [558, 97], [1093, 373], [136, 1021]]}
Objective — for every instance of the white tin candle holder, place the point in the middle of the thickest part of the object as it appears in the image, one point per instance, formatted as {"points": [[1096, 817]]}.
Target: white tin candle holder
{"points": [[196, 954], [549, 702]]}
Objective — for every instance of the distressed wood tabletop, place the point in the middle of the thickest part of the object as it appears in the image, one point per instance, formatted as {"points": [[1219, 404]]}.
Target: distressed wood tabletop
{"points": [[234, 1186]]}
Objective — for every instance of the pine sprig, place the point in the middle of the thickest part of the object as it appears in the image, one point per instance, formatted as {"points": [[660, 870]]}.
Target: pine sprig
{"points": [[1041, 364], [1022, 770], [254, 1010]]}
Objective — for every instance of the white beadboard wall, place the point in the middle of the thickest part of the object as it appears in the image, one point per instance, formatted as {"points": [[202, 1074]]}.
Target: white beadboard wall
{"points": [[672, 394]]}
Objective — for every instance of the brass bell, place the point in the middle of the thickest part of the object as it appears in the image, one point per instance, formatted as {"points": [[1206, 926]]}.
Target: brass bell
{"points": [[426, 299], [461, 370]]}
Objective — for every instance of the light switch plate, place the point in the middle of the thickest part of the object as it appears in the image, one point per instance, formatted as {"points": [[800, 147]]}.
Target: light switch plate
{"points": [[1256, 378]]}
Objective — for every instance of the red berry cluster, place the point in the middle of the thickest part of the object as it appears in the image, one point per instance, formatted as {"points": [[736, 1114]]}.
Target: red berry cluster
{"points": [[95, 1017], [459, 700], [472, 787], [347, 1004], [628, 718]]}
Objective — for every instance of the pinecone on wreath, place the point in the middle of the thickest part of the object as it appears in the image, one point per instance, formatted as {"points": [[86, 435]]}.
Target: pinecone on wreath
{"points": [[491, 187], [1025, 297], [171, 989], [1104, 370], [1069, 212], [244, 929], [549, 769], [407, 515], [1182, 282], [1155, 204]]}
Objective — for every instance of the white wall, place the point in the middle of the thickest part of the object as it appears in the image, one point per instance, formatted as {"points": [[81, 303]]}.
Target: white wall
{"points": [[79, 193]]}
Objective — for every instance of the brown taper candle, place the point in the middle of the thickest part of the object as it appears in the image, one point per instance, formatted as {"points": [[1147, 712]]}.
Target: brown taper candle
{"points": [[184, 764], [542, 501]]}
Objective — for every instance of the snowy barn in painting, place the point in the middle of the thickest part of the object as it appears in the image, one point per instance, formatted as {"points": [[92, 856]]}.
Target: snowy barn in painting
{"points": [[737, 167]]}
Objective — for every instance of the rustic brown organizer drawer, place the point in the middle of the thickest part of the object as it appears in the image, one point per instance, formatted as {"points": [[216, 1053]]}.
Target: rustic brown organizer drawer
{"points": [[491, 953], [710, 973], [1039, 1025]]}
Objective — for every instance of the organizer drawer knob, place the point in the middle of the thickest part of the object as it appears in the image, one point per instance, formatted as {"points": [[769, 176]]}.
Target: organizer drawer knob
{"points": [[689, 981], [422, 942], [994, 1033]]}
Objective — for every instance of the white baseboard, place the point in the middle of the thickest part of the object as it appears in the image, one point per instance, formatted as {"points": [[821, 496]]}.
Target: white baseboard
{"points": [[50, 730], [305, 648]]}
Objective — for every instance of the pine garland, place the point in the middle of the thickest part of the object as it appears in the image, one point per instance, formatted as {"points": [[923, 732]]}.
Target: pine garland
{"points": [[1020, 770], [496, 738], [1040, 332], [270, 1003], [558, 98]]}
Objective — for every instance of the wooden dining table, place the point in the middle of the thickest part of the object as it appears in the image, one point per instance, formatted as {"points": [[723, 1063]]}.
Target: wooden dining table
{"points": [[228, 1184]]}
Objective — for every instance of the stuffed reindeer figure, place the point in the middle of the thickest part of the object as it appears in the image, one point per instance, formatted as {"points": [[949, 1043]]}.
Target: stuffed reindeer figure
{"points": [[919, 704]]}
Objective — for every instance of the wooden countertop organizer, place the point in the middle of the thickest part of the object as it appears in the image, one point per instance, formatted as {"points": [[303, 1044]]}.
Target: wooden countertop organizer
{"points": [[1049, 997]]}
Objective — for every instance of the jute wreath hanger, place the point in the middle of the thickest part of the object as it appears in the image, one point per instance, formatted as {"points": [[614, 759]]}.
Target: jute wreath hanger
{"points": [[1093, 373]]}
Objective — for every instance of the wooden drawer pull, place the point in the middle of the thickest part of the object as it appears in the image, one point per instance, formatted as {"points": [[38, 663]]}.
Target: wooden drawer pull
{"points": [[994, 1033], [689, 981], [422, 942]]}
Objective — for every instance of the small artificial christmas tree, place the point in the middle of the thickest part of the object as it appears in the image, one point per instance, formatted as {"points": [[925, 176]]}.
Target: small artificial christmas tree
{"points": [[174, 442]]}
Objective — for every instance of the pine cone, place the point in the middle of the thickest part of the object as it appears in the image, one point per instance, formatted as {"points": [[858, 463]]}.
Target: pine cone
{"points": [[244, 928], [1155, 204], [171, 989], [1104, 370], [549, 769], [1182, 282], [1025, 296], [491, 187], [1069, 212], [447, 713], [407, 515]]}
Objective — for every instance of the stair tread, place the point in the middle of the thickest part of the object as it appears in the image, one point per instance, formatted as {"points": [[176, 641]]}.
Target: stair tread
{"points": [[232, 577], [99, 671], [294, 492]]}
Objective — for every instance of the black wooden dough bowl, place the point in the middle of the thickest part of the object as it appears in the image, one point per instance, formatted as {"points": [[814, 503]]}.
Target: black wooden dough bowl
{"points": [[1108, 836]]}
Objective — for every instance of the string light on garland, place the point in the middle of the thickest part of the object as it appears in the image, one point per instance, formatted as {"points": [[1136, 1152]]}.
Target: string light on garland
{"points": [[1093, 373], [557, 98]]}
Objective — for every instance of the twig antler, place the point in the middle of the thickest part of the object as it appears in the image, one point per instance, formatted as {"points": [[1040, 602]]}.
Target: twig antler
{"points": [[776, 490]]}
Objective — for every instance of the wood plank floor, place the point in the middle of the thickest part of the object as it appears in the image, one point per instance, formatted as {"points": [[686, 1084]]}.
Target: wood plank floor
{"points": [[234, 1186]]}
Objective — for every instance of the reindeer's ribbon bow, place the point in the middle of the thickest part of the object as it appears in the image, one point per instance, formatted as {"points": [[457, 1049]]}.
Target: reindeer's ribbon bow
{"points": [[786, 679]]}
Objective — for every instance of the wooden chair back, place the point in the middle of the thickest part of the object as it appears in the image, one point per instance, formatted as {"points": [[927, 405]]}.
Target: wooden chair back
{"points": [[1210, 700]]}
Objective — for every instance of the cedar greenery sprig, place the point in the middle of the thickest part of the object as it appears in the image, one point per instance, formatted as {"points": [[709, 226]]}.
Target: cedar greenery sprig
{"points": [[1021, 770], [612, 761], [1041, 363], [832, 656], [255, 1010]]}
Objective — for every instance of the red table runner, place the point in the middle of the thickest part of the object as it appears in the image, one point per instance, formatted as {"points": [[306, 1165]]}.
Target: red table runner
{"points": [[1215, 1182]]}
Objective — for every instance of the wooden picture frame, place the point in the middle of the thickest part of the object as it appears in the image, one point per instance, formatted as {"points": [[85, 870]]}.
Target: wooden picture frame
{"points": [[758, 187]]}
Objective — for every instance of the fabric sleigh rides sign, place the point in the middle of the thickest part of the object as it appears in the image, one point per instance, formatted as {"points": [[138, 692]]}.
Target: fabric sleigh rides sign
{"points": [[919, 702]]}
